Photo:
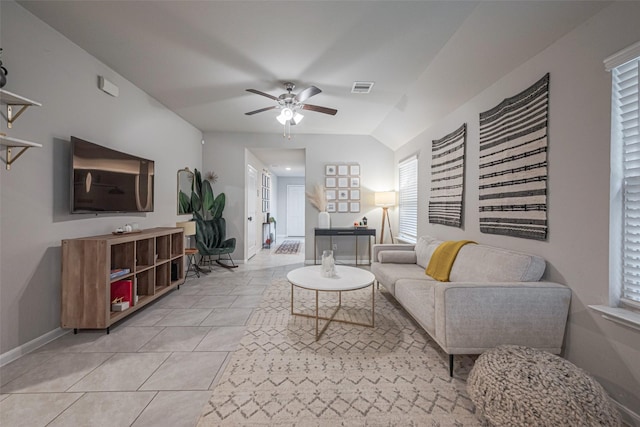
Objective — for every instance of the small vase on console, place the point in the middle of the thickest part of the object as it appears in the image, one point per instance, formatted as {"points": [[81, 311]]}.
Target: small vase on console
{"points": [[324, 220]]}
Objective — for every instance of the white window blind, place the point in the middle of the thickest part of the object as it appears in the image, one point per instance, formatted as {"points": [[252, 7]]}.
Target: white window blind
{"points": [[408, 199], [625, 133]]}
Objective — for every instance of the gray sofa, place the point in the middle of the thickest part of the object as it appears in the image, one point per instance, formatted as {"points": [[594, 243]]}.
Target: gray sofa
{"points": [[494, 297]]}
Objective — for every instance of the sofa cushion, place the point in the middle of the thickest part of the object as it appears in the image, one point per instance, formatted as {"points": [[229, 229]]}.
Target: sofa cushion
{"points": [[482, 263], [388, 274], [417, 297], [398, 257], [424, 249]]}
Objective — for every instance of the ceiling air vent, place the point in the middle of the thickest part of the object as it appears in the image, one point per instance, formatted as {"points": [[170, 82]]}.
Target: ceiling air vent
{"points": [[361, 87]]}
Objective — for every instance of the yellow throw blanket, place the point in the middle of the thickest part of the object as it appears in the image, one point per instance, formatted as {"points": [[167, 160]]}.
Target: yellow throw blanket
{"points": [[443, 257]]}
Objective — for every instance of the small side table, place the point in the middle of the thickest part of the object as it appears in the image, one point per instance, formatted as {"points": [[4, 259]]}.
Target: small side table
{"points": [[266, 235], [191, 253]]}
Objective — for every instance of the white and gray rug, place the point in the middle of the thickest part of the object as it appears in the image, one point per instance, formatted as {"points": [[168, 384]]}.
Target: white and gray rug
{"points": [[390, 375]]}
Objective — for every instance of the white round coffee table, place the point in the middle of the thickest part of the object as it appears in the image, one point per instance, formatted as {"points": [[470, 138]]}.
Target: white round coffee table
{"points": [[346, 279]]}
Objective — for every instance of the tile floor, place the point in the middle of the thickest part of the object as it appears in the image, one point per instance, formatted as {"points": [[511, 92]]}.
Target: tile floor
{"points": [[156, 367]]}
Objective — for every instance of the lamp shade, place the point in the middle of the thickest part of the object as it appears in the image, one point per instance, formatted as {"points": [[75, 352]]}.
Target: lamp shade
{"points": [[188, 226], [385, 198], [285, 115], [297, 118]]}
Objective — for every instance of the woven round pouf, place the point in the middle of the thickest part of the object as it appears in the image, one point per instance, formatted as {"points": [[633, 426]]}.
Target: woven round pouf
{"points": [[520, 386]]}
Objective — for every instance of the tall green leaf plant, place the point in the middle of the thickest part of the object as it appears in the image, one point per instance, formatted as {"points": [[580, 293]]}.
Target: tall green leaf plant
{"points": [[204, 204], [207, 208]]}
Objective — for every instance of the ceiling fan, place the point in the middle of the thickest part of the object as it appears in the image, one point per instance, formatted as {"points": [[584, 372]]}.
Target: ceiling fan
{"points": [[289, 104]]}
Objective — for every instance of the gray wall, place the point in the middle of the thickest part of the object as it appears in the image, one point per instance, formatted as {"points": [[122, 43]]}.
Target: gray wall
{"points": [[225, 153], [578, 199], [34, 195]]}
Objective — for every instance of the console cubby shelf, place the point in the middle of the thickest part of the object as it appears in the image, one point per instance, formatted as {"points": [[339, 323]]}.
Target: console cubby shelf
{"points": [[154, 257]]}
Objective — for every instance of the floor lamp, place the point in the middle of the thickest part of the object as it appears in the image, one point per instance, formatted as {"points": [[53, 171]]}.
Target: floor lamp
{"points": [[385, 199]]}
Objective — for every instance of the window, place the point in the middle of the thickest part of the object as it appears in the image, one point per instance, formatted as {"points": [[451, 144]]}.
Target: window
{"points": [[408, 199], [625, 178]]}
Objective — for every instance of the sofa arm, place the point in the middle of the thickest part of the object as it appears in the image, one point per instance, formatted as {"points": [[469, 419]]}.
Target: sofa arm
{"points": [[376, 249], [472, 317]]}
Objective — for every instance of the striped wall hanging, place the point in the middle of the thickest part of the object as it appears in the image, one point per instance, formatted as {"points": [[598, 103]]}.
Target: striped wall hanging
{"points": [[447, 178], [513, 165]]}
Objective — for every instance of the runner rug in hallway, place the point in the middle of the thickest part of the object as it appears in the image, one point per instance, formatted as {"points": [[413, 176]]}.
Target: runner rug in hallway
{"points": [[288, 247], [390, 375]]}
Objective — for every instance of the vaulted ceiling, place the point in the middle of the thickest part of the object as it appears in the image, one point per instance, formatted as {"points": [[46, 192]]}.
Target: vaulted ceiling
{"points": [[425, 57]]}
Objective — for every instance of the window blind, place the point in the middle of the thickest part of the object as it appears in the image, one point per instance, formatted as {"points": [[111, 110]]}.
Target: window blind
{"points": [[408, 199], [625, 109]]}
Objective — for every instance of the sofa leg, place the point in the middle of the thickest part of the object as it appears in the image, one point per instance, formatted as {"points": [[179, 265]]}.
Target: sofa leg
{"points": [[451, 365]]}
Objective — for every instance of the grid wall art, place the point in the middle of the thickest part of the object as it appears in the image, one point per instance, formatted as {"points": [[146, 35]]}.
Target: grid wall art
{"points": [[342, 187], [266, 191]]}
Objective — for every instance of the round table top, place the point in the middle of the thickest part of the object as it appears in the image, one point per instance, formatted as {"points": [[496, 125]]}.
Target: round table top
{"points": [[346, 278]]}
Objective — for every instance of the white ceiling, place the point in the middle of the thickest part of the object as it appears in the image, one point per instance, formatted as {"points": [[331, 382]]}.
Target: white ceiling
{"points": [[425, 57], [282, 162]]}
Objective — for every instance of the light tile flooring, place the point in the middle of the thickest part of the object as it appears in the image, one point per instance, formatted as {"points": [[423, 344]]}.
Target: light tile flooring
{"points": [[156, 367]]}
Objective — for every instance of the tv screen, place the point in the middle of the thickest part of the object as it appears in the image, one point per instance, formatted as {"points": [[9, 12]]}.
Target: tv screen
{"points": [[106, 180]]}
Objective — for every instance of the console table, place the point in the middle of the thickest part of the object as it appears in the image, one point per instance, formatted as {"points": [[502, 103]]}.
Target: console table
{"points": [[341, 232], [266, 235]]}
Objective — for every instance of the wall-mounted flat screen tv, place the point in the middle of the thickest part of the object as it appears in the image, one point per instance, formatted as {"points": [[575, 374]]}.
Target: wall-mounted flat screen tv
{"points": [[105, 180]]}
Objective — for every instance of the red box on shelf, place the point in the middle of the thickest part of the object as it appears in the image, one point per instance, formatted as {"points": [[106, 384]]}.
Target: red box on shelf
{"points": [[122, 289]]}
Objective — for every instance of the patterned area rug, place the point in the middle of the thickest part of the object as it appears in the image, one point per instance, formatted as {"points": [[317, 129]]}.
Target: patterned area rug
{"points": [[389, 375], [288, 247]]}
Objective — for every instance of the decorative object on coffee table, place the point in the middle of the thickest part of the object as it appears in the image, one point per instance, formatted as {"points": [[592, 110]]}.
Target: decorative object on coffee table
{"points": [[328, 264], [516, 385]]}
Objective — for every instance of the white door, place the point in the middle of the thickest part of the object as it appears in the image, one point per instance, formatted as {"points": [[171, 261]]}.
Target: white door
{"points": [[295, 210], [252, 221]]}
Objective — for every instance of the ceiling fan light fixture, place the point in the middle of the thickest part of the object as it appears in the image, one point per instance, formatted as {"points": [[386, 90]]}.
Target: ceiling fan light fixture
{"points": [[297, 118], [285, 115]]}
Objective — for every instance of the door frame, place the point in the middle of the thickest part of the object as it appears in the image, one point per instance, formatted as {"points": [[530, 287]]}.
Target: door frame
{"points": [[251, 193]]}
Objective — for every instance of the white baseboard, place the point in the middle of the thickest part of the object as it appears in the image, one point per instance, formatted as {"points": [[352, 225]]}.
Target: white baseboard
{"points": [[629, 417], [20, 351]]}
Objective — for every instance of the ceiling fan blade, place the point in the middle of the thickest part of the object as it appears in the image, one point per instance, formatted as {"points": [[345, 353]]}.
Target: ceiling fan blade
{"points": [[257, 92], [307, 93], [319, 109], [250, 113]]}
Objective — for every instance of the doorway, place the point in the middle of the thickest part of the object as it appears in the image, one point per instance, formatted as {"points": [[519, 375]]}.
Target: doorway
{"points": [[295, 210]]}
